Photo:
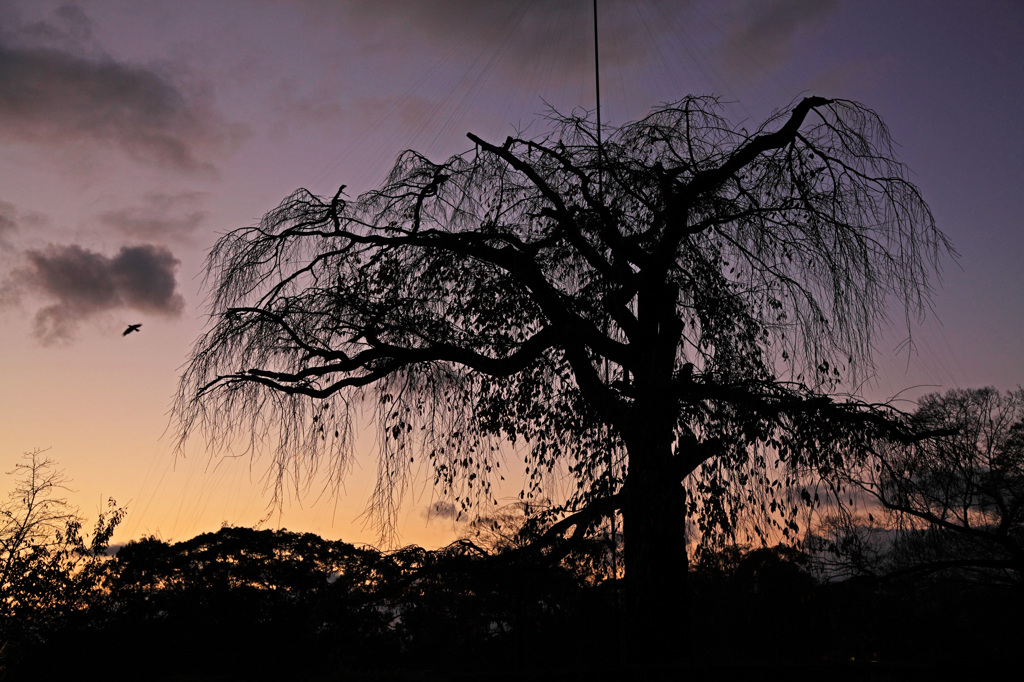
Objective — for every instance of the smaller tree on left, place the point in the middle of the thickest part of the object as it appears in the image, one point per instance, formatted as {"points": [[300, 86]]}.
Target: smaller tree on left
{"points": [[47, 565]]}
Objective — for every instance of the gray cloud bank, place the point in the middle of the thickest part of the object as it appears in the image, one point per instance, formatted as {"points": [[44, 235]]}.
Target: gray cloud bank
{"points": [[53, 96], [82, 284]]}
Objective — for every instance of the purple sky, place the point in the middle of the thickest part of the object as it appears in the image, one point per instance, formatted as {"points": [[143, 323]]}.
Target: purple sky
{"points": [[133, 133]]}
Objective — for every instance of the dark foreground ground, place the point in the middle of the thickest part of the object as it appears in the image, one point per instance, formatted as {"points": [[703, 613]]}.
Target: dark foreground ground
{"points": [[850, 672], [247, 605]]}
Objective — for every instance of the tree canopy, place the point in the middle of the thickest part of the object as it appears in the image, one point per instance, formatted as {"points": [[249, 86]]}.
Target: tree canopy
{"points": [[688, 300], [955, 501]]}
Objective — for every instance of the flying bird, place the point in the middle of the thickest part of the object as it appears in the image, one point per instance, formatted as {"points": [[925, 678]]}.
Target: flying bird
{"points": [[131, 328]]}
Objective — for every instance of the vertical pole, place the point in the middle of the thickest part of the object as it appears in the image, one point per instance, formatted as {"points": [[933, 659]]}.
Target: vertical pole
{"points": [[600, 180], [597, 85]]}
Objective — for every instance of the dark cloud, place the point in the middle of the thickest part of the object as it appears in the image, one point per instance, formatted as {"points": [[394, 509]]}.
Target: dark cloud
{"points": [[764, 37], [161, 217], [441, 510], [52, 93], [82, 284]]}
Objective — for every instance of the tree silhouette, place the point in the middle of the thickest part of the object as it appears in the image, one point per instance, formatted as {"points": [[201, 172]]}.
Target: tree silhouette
{"points": [[687, 296], [238, 598], [48, 565], [956, 500]]}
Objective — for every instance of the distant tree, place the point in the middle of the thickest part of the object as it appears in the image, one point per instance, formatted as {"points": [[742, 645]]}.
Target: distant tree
{"points": [[48, 567], [683, 299], [954, 501], [234, 600], [266, 565]]}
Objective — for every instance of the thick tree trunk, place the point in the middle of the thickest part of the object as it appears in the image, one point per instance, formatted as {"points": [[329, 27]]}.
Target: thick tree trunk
{"points": [[655, 558], [654, 516]]}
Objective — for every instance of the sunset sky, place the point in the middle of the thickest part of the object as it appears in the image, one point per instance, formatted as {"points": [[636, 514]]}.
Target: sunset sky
{"points": [[133, 133]]}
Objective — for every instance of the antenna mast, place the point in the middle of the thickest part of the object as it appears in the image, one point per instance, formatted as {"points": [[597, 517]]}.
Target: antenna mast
{"points": [[600, 189], [597, 90]]}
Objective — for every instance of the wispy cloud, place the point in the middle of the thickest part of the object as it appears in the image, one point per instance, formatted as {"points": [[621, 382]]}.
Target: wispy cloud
{"points": [[12, 222], [763, 38], [160, 218], [542, 39], [80, 284], [55, 92], [8, 222]]}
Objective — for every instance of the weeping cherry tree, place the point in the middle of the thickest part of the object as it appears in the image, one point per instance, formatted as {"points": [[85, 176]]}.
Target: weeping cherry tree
{"points": [[672, 317]]}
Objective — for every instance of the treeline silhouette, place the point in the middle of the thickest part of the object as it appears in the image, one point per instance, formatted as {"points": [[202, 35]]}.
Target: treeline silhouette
{"points": [[243, 603]]}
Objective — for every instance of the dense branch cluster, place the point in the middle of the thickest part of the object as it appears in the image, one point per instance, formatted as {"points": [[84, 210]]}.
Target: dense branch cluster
{"points": [[954, 500]]}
